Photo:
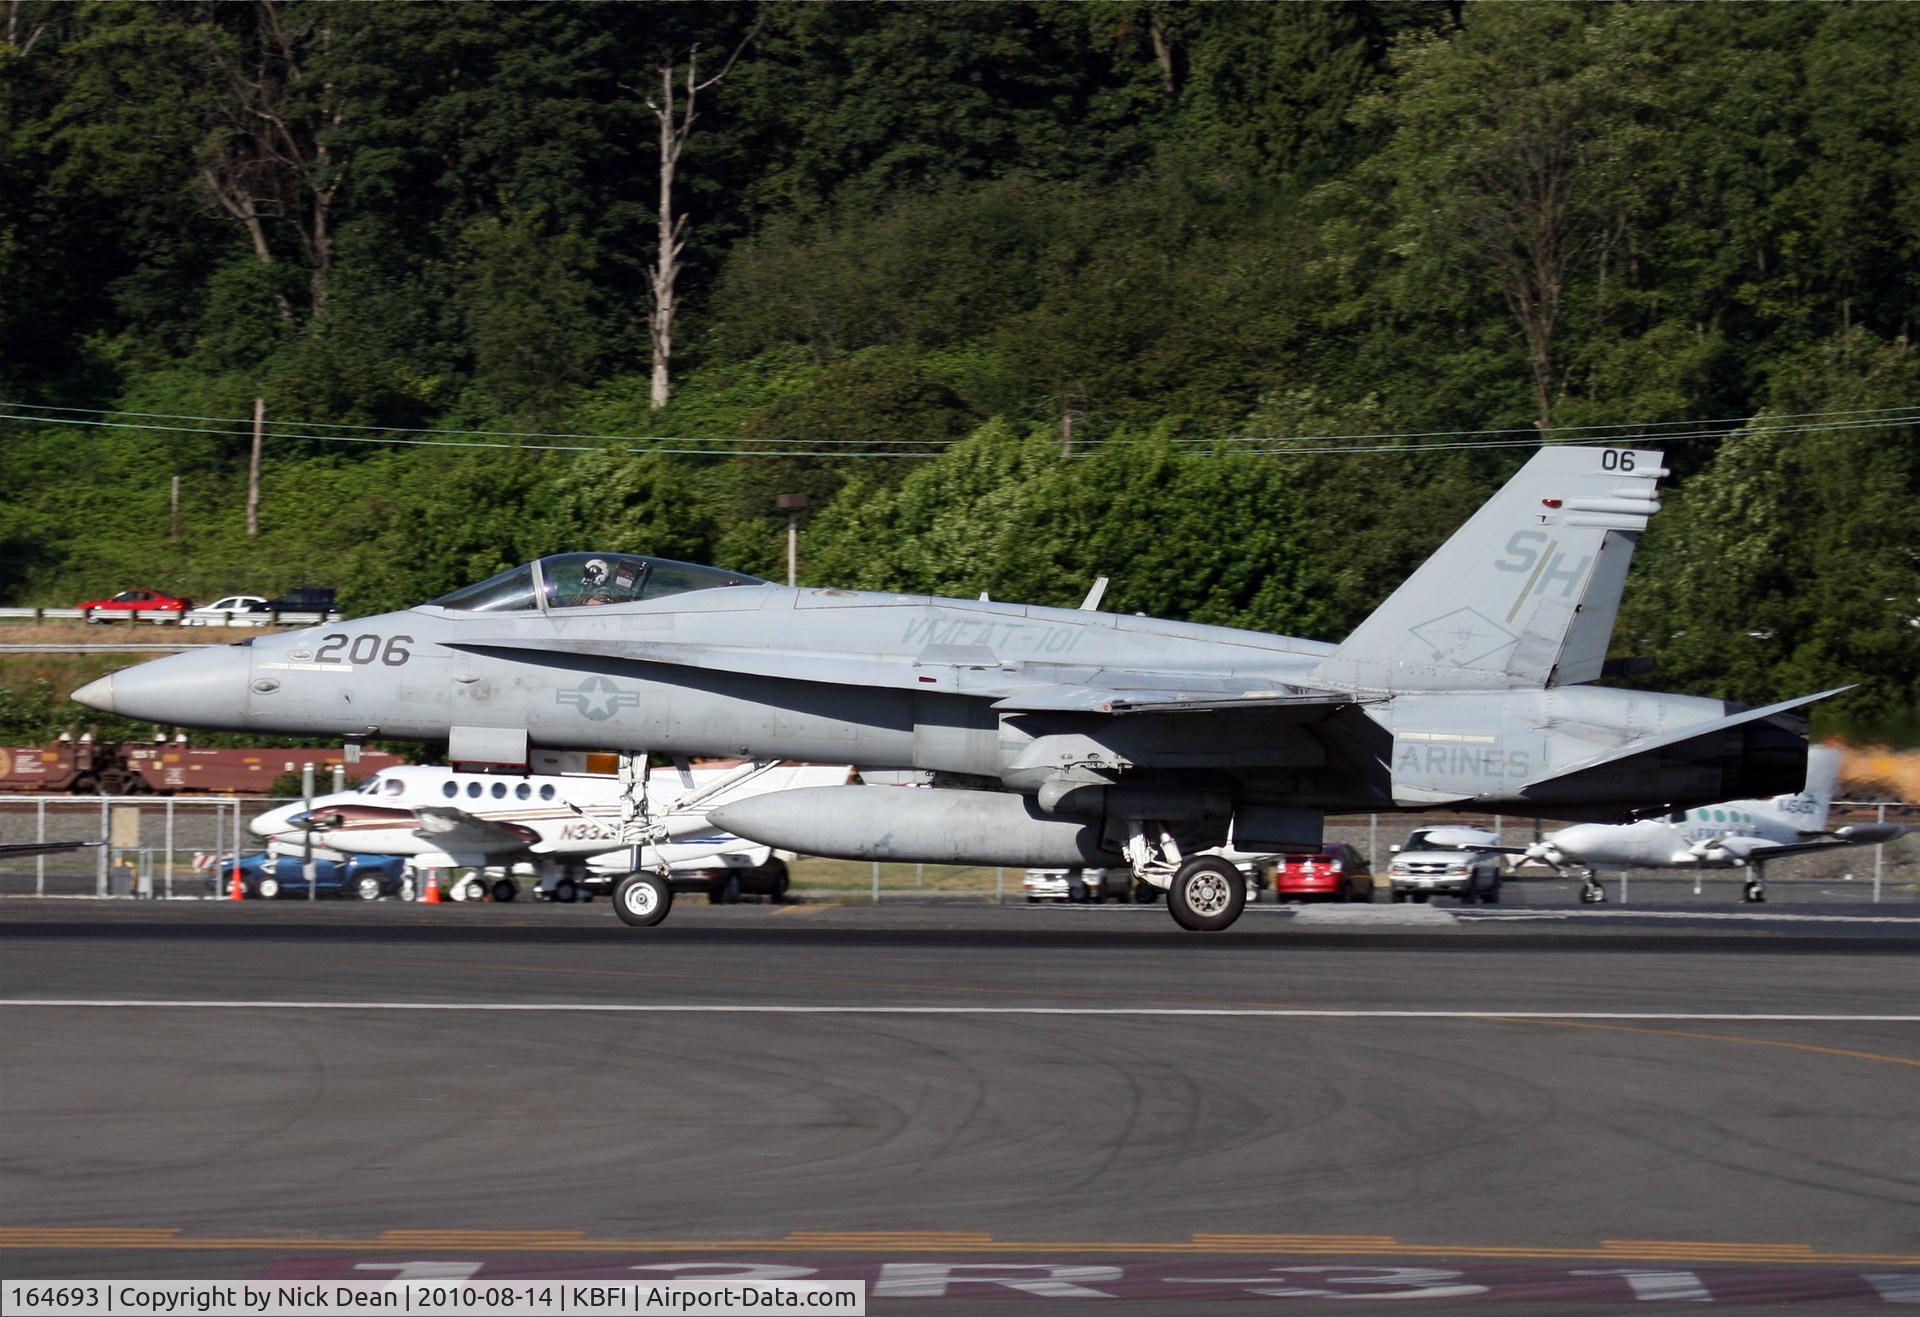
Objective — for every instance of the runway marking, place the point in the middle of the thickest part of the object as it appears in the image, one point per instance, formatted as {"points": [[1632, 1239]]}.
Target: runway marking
{"points": [[1730, 1038], [1079, 1012], [1747, 916], [53, 1238]]}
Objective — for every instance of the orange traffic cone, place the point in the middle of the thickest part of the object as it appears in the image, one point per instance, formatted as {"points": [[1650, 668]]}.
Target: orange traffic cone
{"points": [[236, 890], [433, 887]]}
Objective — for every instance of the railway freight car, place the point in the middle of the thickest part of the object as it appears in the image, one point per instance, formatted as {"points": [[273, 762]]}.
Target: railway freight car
{"points": [[166, 768]]}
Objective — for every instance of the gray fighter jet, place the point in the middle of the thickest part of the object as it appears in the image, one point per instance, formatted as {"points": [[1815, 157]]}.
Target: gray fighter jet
{"points": [[1055, 737]]}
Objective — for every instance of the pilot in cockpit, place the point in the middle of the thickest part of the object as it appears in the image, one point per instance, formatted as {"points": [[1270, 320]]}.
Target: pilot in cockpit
{"points": [[593, 584]]}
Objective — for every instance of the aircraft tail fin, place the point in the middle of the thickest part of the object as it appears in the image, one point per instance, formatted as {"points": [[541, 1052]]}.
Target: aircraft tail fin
{"points": [[1522, 596], [1823, 784]]}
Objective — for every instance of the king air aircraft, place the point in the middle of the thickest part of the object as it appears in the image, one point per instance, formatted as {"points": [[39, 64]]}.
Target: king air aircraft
{"points": [[560, 824], [1055, 736], [1732, 834]]}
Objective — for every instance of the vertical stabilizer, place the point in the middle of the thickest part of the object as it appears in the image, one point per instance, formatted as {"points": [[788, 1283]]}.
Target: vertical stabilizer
{"points": [[1524, 594], [1808, 807]]}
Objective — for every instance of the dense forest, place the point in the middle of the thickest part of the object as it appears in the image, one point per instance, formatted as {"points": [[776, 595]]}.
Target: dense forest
{"points": [[1244, 305]]}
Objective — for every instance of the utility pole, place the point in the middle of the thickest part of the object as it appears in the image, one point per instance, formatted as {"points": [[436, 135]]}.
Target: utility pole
{"points": [[793, 505], [173, 513], [253, 467]]}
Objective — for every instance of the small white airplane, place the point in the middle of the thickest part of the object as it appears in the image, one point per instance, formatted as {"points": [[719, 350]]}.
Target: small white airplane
{"points": [[560, 824], [1735, 834]]}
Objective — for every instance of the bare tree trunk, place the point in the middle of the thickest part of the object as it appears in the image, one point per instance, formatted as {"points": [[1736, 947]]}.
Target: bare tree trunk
{"points": [[1162, 53], [253, 466], [666, 269], [676, 127]]}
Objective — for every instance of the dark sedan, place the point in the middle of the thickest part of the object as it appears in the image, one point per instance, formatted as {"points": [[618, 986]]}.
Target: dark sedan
{"points": [[267, 877]]}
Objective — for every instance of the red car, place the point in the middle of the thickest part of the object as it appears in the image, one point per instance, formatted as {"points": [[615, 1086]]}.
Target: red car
{"points": [[1333, 873], [128, 602]]}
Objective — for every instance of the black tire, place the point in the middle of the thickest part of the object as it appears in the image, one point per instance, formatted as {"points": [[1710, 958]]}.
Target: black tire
{"points": [[267, 888], [367, 887], [1145, 893], [1421, 898], [725, 891], [505, 889], [1033, 900], [782, 880], [1207, 894], [475, 889], [1398, 896], [566, 891], [642, 899]]}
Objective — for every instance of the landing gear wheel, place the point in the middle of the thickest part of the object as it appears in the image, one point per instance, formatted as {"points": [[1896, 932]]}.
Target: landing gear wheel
{"points": [[505, 889], [642, 900], [1593, 894], [1755, 893], [566, 891], [408, 888], [777, 893], [1206, 894]]}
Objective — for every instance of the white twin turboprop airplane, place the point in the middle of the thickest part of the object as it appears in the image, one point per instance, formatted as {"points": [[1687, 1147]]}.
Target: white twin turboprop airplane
{"points": [[445, 818], [1734, 834]]}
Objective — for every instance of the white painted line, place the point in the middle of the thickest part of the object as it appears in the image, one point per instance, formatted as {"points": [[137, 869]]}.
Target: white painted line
{"points": [[633, 1008], [1748, 916]]}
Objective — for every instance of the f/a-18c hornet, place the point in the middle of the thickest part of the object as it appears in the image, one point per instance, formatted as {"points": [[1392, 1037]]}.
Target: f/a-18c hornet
{"points": [[1056, 737], [442, 818], [1731, 834]]}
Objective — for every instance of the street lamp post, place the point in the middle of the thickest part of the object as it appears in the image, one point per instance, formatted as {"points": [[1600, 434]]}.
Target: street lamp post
{"points": [[793, 505]]}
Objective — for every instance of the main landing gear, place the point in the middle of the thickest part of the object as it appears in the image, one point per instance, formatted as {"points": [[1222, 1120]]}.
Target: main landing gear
{"points": [[1755, 892], [1204, 892], [1207, 893]]}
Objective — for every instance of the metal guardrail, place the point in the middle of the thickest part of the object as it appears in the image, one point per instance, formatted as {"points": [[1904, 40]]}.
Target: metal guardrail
{"points": [[162, 616]]}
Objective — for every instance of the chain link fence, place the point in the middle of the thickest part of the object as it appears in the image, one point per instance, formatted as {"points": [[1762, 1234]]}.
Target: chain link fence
{"points": [[164, 847]]}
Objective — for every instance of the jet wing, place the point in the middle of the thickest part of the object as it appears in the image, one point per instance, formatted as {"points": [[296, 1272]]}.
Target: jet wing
{"points": [[1194, 697], [1023, 688], [456, 830]]}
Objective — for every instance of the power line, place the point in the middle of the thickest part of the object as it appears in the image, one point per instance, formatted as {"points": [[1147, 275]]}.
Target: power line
{"points": [[1250, 445]]}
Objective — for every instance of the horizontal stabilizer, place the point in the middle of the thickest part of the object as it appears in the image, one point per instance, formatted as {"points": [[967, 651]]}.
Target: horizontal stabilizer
{"points": [[1632, 749]]}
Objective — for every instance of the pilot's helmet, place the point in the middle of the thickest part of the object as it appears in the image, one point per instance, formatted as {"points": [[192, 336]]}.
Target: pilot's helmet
{"points": [[594, 573]]}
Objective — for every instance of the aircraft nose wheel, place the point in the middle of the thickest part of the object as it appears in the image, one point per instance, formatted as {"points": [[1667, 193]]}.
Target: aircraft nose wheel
{"points": [[1206, 894], [642, 900], [1593, 893]]}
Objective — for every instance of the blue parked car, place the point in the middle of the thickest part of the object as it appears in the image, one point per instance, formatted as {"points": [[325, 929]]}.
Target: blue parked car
{"points": [[265, 877]]}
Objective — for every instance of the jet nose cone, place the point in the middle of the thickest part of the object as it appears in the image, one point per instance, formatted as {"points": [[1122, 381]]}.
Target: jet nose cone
{"points": [[200, 688], [97, 695]]}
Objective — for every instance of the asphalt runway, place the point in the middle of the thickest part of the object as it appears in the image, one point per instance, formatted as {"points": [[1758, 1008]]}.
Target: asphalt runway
{"points": [[1561, 1109]]}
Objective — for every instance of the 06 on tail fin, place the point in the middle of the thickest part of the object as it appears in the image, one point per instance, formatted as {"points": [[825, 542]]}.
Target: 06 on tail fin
{"points": [[1521, 597]]}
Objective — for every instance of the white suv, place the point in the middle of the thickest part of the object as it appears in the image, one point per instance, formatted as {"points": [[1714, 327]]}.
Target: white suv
{"points": [[1446, 862]]}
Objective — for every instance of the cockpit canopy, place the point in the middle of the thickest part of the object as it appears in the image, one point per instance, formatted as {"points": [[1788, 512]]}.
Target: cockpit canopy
{"points": [[585, 580]]}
